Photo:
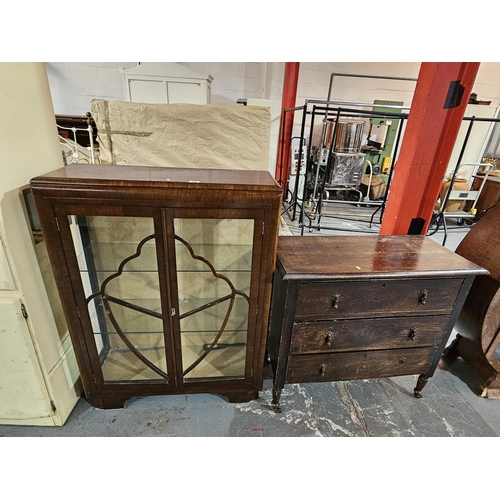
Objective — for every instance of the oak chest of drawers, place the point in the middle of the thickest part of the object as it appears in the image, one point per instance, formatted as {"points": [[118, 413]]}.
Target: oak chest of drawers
{"points": [[359, 307]]}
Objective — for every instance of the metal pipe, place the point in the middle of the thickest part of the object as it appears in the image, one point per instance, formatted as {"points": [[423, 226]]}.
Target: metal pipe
{"points": [[357, 104], [350, 75], [302, 129], [391, 170], [91, 138], [462, 151], [360, 113]]}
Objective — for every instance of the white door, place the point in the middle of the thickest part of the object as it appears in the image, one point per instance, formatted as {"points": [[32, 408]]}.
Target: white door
{"points": [[148, 91], [23, 394], [191, 93]]}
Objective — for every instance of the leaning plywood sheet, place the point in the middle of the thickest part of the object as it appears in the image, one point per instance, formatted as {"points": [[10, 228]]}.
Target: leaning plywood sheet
{"points": [[182, 135]]}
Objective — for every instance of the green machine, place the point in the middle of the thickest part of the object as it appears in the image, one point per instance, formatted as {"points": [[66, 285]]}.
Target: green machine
{"points": [[384, 129]]}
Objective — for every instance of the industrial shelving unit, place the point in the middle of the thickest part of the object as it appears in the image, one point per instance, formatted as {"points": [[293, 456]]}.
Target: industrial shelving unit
{"points": [[318, 162]]}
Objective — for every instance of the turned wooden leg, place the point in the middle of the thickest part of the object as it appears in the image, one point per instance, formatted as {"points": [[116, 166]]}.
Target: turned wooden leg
{"points": [[421, 382], [275, 401]]}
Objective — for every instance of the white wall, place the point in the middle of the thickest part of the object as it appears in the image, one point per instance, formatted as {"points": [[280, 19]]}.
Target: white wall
{"points": [[73, 85]]}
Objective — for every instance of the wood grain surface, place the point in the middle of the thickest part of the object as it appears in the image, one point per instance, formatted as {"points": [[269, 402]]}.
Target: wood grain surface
{"points": [[350, 257]]}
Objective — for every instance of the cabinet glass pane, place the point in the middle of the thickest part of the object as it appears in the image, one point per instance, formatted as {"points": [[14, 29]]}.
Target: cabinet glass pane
{"points": [[214, 263], [119, 272]]}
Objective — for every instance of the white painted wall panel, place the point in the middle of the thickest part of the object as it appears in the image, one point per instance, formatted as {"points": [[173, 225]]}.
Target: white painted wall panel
{"points": [[6, 279], [23, 394], [109, 75], [85, 73], [74, 85]]}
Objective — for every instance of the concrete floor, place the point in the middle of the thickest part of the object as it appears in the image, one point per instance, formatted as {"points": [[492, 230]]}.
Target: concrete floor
{"points": [[381, 408]]}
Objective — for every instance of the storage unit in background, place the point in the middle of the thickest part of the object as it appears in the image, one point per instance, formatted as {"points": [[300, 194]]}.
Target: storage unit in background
{"points": [[169, 83]]}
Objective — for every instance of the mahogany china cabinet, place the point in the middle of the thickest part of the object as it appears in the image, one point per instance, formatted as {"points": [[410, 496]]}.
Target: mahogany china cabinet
{"points": [[164, 274]]}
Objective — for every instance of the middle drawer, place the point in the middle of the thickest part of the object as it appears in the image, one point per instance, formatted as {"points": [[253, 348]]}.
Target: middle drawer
{"points": [[367, 334]]}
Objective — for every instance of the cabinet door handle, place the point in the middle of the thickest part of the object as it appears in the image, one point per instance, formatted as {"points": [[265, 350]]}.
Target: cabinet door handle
{"points": [[423, 297], [412, 334], [335, 301], [402, 360], [328, 339], [322, 369]]}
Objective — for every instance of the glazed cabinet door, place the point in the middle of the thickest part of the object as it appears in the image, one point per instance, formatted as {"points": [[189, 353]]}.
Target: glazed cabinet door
{"points": [[164, 300], [214, 274], [117, 271]]}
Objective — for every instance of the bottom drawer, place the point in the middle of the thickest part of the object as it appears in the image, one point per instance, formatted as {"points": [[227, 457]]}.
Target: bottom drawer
{"points": [[359, 365]]}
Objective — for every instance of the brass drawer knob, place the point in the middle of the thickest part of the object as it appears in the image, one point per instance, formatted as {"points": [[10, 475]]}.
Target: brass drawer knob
{"points": [[328, 339], [335, 301], [322, 369], [423, 297], [412, 333]]}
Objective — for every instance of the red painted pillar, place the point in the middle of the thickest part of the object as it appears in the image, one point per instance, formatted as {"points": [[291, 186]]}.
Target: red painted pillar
{"points": [[290, 82], [437, 110]]}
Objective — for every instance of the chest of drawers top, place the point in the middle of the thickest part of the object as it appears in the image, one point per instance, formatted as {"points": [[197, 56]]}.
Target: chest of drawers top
{"points": [[368, 257]]}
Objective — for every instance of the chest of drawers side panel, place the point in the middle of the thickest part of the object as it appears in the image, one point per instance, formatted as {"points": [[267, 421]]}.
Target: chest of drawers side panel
{"points": [[283, 302], [464, 291]]}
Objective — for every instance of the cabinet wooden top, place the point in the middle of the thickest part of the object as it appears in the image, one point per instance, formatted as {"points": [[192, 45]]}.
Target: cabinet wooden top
{"points": [[493, 178], [357, 257], [128, 175]]}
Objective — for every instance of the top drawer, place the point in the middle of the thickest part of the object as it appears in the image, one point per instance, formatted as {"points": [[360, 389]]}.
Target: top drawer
{"points": [[376, 298]]}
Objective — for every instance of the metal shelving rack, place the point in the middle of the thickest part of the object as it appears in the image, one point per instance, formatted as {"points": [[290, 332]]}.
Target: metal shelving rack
{"points": [[332, 110], [313, 108]]}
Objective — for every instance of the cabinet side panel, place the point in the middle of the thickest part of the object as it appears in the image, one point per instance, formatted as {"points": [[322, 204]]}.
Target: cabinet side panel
{"points": [[23, 394], [269, 251]]}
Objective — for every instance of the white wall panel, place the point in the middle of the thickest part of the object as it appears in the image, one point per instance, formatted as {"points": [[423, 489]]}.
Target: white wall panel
{"points": [[6, 278], [23, 394], [85, 73], [32, 347]]}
